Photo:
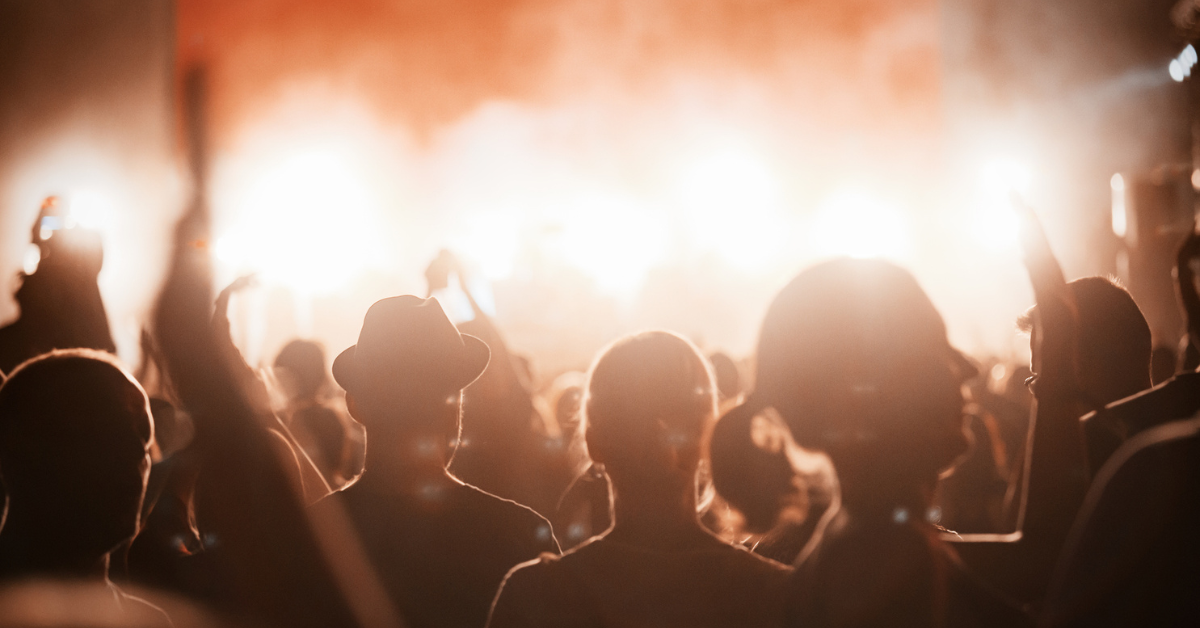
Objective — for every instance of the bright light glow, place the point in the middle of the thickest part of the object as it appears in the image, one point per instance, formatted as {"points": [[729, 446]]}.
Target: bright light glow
{"points": [[1120, 224], [490, 240], [1181, 66], [993, 221], [1000, 178], [1176, 70], [33, 257], [731, 203], [308, 222], [855, 223], [91, 209], [612, 240]]}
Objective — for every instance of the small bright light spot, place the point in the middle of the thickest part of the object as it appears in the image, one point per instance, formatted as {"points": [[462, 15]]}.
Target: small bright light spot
{"points": [[1196, 179], [998, 372], [33, 257], [308, 223], [1176, 70], [857, 224], [1120, 219]]}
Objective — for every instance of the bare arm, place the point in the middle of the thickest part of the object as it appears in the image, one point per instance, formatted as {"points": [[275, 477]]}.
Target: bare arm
{"points": [[1055, 476]]}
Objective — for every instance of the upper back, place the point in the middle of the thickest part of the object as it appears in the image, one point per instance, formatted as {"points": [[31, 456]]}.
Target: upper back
{"points": [[607, 583], [442, 557]]}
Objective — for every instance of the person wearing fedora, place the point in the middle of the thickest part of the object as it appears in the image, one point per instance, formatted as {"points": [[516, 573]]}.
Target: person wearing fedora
{"points": [[439, 546]]}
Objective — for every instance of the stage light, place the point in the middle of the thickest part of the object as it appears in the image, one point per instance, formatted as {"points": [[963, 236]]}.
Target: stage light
{"points": [[857, 224], [91, 209], [1181, 67], [1120, 219], [993, 221], [490, 241], [308, 222], [730, 200], [33, 257], [613, 240]]}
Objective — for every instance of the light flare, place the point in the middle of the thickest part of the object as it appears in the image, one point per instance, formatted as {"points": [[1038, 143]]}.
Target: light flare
{"points": [[994, 224], [855, 223], [730, 202], [612, 239], [308, 222]]}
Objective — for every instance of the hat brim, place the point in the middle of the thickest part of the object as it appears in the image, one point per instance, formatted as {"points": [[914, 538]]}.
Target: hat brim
{"points": [[460, 372]]}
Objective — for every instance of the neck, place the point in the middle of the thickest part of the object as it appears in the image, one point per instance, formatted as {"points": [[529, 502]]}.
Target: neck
{"points": [[416, 465], [25, 549], [664, 519]]}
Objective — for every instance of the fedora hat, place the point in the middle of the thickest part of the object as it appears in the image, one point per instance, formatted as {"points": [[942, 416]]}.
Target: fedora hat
{"points": [[408, 342]]}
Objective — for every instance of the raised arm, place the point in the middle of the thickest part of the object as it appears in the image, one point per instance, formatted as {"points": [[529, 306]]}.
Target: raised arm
{"points": [[277, 569], [1055, 475], [1056, 471], [1185, 280]]}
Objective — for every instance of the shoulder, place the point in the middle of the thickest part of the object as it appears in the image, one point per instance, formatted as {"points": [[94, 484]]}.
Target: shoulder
{"points": [[517, 519], [1174, 399], [739, 560], [534, 593], [144, 611], [1147, 451]]}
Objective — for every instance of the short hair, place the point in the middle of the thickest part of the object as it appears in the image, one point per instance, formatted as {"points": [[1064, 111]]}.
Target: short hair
{"points": [[646, 394], [725, 370], [1114, 337], [75, 429], [74, 382]]}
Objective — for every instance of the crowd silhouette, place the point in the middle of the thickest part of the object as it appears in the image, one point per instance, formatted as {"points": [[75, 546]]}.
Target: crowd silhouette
{"points": [[429, 477]]}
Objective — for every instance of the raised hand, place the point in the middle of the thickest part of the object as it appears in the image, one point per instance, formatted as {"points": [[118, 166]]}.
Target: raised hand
{"points": [[1056, 329]]}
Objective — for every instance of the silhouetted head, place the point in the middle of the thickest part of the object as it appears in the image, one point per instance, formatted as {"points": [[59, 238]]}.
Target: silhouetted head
{"points": [[75, 431], [301, 364], [649, 400], [1114, 340], [725, 370], [854, 357], [407, 372]]}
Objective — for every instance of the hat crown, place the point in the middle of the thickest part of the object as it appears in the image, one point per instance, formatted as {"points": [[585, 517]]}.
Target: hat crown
{"points": [[406, 329], [410, 340]]}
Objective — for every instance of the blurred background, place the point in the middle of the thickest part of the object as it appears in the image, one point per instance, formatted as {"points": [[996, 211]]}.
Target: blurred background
{"points": [[602, 166]]}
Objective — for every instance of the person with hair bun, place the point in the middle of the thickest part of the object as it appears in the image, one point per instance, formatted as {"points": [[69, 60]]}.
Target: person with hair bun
{"points": [[649, 402], [854, 358]]}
